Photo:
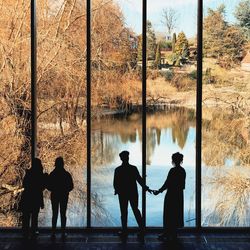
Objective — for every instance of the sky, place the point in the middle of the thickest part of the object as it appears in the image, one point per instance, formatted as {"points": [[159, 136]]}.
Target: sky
{"points": [[186, 11]]}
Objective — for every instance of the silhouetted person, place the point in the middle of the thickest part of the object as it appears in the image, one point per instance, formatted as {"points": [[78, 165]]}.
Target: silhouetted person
{"points": [[126, 177], [173, 203], [60, 183], [32, 197]]}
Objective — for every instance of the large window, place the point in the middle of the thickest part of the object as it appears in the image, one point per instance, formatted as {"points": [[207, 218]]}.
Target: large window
{"points": [[171, 100], [115, 91], [225, 134], [15, 110], [127, 75], [61, 104]]}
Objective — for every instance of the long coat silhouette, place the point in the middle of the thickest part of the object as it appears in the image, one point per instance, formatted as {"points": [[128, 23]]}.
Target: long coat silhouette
{"points": [[32, 196], [60, 183], [126, 177], [173, 203]]}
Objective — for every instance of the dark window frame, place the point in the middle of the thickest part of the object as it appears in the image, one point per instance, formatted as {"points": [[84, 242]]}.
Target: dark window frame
{"points": [[198, 163]]}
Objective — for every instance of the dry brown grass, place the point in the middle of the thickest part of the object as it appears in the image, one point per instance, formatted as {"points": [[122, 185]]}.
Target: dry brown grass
{"points": [[230, 194], [225, 135]]}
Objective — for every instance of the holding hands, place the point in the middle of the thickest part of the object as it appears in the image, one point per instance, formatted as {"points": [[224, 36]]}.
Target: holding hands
{"points": [[155, 192], [150, 190]]}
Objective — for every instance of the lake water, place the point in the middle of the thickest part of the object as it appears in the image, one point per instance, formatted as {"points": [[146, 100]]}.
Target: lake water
{"points": [[225, 173], [168, 131]]}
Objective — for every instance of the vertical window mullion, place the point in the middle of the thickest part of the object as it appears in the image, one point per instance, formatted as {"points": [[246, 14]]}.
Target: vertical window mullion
{"points": [[144, 103], [88, 78], [199, 114], [33, 79]]}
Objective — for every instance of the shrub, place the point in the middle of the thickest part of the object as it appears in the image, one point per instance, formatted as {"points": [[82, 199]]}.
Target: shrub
{"points": [[165, 44], [168, 75], [183, 82], [193, 75], [152, 74], [174, 58], [208, 78]]}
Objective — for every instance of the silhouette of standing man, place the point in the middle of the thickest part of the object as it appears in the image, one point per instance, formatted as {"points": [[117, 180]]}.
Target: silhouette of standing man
{"points": [[32, 197], [125, 178], [60, 183], [174, 201]]}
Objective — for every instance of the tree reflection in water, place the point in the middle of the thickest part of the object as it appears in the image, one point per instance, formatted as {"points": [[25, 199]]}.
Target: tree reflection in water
{"points": [[226, 170], [112, 134], [125, 129], [225, 155]]}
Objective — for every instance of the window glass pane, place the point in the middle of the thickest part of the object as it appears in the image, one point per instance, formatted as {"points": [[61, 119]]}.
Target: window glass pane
{"points": [[225, 134], [116, 101], [61, 110], [171, 100], [15, 108]]}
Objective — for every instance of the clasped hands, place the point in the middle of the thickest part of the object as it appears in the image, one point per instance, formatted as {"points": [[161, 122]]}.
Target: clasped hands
{"points": [[155, 192]]}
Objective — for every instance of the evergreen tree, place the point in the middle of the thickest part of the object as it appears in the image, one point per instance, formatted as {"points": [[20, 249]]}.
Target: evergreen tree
{"points": [[181, 46], [173, 42], [158, 56], [242, 14], [222, 41], [214, 28], [139, 48], [151, 44]]}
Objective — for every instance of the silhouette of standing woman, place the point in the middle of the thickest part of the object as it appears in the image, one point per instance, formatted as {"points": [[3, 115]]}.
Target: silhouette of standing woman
{"points": [[173, 203], [125, 178], [32, 197], [60, 183]]}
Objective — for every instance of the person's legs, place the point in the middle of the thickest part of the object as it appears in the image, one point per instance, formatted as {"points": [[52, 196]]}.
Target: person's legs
{"points": [[26, 222], [164, 234], [55, 207], [63, 209], [136, 211], [34, 221], [123, 200], [172, 232]]}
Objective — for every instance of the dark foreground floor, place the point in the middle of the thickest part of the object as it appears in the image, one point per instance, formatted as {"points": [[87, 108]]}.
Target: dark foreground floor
{"points": [[109, 241]]}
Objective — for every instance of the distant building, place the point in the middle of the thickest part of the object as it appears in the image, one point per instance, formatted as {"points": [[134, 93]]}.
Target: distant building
{"points": [[131, 36], [168, 37], [245, 63]]}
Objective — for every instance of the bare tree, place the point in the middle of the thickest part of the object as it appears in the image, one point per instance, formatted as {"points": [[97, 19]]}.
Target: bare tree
{"points": [[170, 17], [61, 83]]}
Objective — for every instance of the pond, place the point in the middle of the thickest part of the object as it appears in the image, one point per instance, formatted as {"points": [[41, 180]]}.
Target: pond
{"points": [[168, 131], [225, 167]]}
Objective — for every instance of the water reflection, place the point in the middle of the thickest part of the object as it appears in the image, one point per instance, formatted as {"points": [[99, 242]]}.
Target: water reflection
{"points": [[167, 131], [112, 132], [226, 168]]}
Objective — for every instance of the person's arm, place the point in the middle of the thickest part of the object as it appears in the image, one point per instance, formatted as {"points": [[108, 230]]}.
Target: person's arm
{"points": [[140, 180], [71, 184], [42, 202], [165, 185], [26, 180], [184, 180], [115, 182], [45, 181]]}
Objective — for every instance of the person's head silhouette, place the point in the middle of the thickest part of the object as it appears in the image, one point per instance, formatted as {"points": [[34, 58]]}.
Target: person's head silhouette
{"points": [[37, 165], [124, 155], [59, 163], [177, 159]]}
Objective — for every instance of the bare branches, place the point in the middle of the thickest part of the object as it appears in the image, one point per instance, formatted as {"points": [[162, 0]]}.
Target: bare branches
{"points": [[170, 18]]}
